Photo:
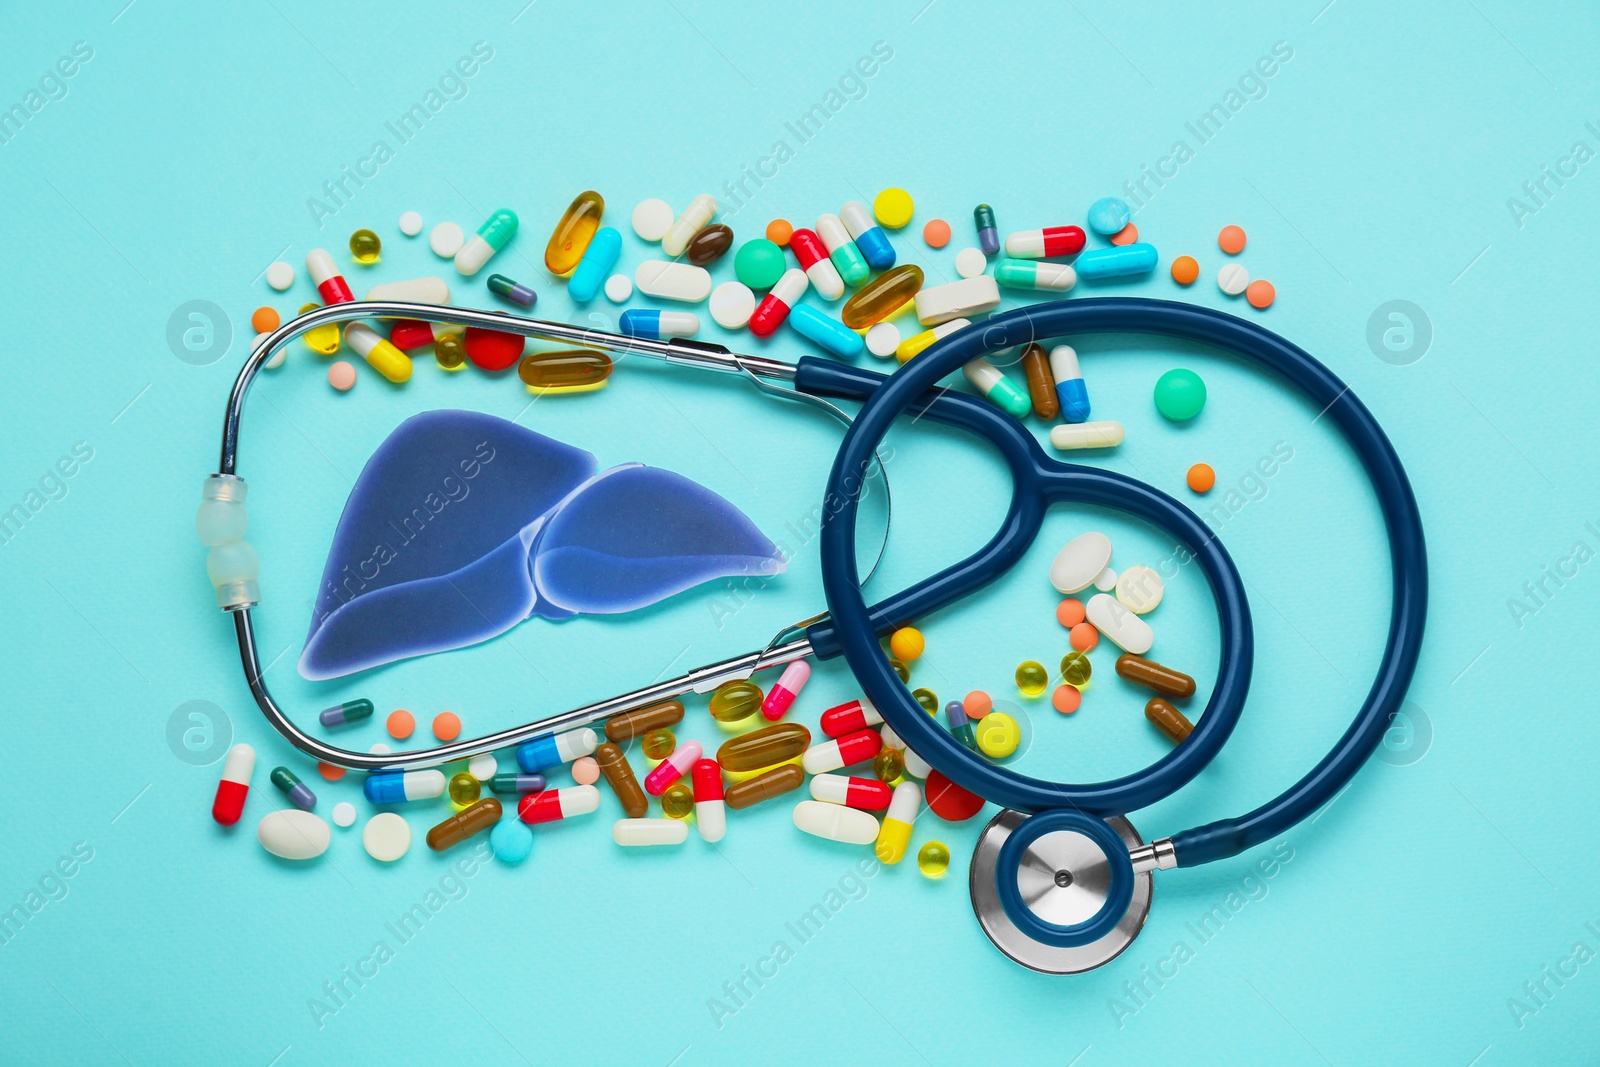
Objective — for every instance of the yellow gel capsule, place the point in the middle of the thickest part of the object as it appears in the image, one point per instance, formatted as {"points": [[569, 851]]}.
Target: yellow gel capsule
{"points": [[323, 340], [564, 368], [677, 801], [570, 239], [880, 298], [933, 859], [365, 246], [1032, 678]]}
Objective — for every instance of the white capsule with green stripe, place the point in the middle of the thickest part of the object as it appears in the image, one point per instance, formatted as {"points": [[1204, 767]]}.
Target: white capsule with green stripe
{"points": [[1034, 274], [847, 258], [992, 383]]}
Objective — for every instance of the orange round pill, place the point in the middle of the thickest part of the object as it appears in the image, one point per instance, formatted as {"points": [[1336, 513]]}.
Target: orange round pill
{"points": [[1261, 294], [330, 772], [447, 726], [1201, 477], [1084, 636], [977, 704], [1185, 270], [779, 231], [1126, 236], [264, 320], [401, 724], [1066, 699], [936, 233], [1231, 240], [1069, 612]]}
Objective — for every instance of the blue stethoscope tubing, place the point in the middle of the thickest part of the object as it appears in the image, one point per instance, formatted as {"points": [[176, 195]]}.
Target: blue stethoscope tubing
{"points": [[854, 629]]}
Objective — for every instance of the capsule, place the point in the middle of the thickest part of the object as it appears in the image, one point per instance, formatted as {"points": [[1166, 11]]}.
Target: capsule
{"points": [[1070, 388], [619, 776], [1118, 262], [813, 256], [1169, 720], [658, 325], [234, 786], [1046, 243], [988, 235], [867, 794], [398, 787], [781, 697], [847, 258], [639, 832], [841, 752], [709, 245], [960, 725], [764, 786], [513, 291], [895, 833], [1041, 385], [882, 297], [293, 788], [992, 383], [596, 265], [848, 718], [1030, 274], [696, 217], [555, 804], [868, 235], [710, 811], [507, 783], [825, 331], [566, 368], [1152, 675], [915, 765], [733, 702], [474, 819], [552, 750], [775, 306], [675, 766], [384, 357], [348, 712], [637, 723], [1105, 434], [765, 747], [496, 231], [917, 342], [834, 823], [329, 282], [410, 334], [571, 237]]}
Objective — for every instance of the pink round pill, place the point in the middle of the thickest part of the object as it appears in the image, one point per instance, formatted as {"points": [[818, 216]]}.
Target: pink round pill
{"points": [[585, 771], [341, 376], [977, 704]]}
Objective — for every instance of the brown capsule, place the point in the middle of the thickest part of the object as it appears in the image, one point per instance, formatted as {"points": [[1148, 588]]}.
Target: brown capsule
{"points": [[462, 825], [773, 783], [638, 723], [764, 747], [1168, 719], [1152, 675], [709, 245], [1041, 383], [619, 775]]}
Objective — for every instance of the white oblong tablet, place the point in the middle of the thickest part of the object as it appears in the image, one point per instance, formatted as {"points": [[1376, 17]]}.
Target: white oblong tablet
{"points": [[1140, 589], [386, 837], [1106, 580], [835, 822], [344, 814], [618, 288], [971, 262], [1068, 436], [1119, 625], [957, 300], [673, 281], [280, 276], [415, 291], [732, 304], [882, 339], [652, 219], [1080, 562], [632, 832], [1233, 279], [446, 240], [293, 834], [411, 223]]}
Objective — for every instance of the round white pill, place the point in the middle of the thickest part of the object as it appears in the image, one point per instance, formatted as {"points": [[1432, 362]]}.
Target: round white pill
{"points": [[483, 767], [1233, 279], [618, 288], [732, 304], [1139, 589], [882, 339], [971, 262], [380, 749], [280, 276], [411, 223], [344, 813], [386, 837], [652, 219], [446, 240], [1106, 580]]}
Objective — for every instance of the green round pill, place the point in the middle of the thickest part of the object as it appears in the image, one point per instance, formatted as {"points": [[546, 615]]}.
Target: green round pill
{"points": [[1180, 394], [759, 263]]}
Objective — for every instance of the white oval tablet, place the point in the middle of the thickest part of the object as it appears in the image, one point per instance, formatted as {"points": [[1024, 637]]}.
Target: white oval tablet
{"points": [[835, 822], [971, 262], [649, 831], [1233, 279], [483, 767], [1119, 625], [1074, 435], [280, 276], [380, 749], [344, 814], [957, 300], [414, 291], [293, 834], [732, 304], [673, 281], [386, 837], [882, 339], [652, 219], [1106, 580], [1078, 564], [446, 240], [411, 223], [1140, 589], [618, 288]]}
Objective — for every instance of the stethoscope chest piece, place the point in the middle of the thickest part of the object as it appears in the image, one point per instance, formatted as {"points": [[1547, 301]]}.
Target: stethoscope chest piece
{"points": [[1055, 892]]}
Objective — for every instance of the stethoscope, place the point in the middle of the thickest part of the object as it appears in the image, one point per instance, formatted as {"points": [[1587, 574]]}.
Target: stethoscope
{"points": [[1060, 880]]}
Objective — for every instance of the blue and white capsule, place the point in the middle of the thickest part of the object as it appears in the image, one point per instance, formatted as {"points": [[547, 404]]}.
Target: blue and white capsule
{"points": [[398, 787], [868, 235], [552, 750], [1070, 387], [847, 258], [605, 248], [825, 331], [658, 325]]}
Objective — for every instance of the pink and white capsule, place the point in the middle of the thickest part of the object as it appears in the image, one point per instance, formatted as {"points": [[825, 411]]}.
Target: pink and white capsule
{"points": [[330, 283], [710, 812], [788, 686], [672, 768]]}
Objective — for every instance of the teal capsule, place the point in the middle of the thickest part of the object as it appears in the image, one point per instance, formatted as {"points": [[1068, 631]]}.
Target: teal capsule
{"points": [[1007, 395], [988, 233], [294, 788], [349, 711], [512, 290], [491, 237], [1119, 261], [847, 258], [1034, 274], [960, 725]]}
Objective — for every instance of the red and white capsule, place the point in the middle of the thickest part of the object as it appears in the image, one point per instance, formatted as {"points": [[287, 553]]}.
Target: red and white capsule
{"points": [[867, 794], [774, 307], [330, 283], [787, 687], [235, 785], [555, 804], [410, 334], [1046, 243], [848, 718], [813, 256], [710, 813], [841, 752], [672, 768]]}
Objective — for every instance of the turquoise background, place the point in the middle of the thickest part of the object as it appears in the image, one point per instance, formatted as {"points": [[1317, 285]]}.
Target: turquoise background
{"points": [[1377, 163]]}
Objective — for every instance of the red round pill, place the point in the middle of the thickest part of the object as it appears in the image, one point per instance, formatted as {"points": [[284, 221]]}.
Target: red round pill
{"points": [[949, 801]]}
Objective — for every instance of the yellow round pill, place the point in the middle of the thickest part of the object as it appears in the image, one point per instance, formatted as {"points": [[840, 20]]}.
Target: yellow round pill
{"points": [[906, 644], [998, 734], [893, 208]]}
